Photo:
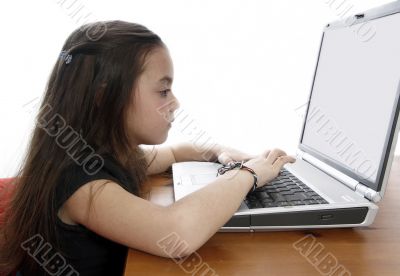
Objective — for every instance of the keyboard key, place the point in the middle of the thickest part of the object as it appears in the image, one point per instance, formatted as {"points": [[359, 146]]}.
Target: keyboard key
{"points": [[280, 185], [297, 190], [286, 193], [310, 201], [280, 190], [294, 197], [303, 195], [283, 204], [262, 195], [267, 200], [256, 204], [297, 202], [251, 197], [278, 197], [270, 204]]}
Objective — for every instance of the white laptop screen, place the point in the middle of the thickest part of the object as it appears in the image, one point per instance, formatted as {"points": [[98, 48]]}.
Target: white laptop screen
{"points": [[354, 95]]}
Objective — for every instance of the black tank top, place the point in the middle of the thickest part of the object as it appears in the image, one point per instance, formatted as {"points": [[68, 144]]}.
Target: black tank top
{"points": [[85, 251]]}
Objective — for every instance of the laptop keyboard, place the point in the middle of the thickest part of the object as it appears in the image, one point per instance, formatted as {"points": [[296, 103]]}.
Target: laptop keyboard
{"points": [[285, 190]]}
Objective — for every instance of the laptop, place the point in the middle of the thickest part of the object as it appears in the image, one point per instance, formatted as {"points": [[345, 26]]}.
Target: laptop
{"points": [[347, 141]]}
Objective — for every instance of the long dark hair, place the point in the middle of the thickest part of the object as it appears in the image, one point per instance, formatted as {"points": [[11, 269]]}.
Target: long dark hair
{"points": [[88, 92]]}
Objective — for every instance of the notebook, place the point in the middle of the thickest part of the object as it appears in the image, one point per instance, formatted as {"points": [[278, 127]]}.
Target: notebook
{"points": [[347, 141]]}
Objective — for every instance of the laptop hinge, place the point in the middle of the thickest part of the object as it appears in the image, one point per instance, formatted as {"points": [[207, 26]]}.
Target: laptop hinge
{"points": [[368, 193], [353, 184]]}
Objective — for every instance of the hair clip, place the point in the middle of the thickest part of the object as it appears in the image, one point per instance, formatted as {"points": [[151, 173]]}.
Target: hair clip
{"points": [[66, 57]]}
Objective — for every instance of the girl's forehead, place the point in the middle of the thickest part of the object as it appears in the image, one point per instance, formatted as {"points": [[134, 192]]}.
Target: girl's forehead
{"points": [[159, 65]]}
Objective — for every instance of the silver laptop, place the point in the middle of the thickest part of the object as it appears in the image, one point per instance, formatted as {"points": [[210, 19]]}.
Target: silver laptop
{"points": [[348, 137]]}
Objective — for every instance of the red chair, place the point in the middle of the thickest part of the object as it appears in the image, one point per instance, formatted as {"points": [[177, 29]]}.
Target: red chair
{"points": [[6, 190]]}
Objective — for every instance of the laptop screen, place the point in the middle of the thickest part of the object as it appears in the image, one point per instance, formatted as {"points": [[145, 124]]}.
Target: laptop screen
{"points": [[354, 97]]}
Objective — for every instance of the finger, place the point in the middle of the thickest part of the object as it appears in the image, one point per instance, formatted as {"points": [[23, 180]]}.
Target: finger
{"points": [[224, 158], [275, 153], [292, 159], [281, 161]]}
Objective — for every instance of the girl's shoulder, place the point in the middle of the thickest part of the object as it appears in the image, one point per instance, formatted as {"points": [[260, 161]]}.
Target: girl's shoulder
{"points": [[75, 175]]}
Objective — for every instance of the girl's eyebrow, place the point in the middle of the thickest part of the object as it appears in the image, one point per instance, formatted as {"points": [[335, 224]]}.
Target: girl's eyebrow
{"points": [[166, 79]]}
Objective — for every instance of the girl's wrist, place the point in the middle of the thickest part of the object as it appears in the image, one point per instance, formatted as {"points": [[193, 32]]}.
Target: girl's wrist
{"points": [[238, 166], [242, 176]]}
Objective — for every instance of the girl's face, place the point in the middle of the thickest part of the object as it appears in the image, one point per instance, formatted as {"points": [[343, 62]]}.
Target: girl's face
{"points": [[150, 115]]}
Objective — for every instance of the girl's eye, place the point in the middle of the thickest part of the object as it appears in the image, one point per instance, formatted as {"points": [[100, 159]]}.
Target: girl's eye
{"points": [[164, 93]]}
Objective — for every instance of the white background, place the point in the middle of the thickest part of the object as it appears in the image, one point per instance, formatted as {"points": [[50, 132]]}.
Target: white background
{"points": [[243, 69]]}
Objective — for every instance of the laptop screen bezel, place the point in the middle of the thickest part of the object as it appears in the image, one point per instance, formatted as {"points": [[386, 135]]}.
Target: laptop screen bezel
{"points": [[377, 185]]}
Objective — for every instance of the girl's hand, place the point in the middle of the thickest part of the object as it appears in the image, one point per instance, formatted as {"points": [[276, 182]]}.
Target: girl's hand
{"points": [[226, 155], [268, 164]]}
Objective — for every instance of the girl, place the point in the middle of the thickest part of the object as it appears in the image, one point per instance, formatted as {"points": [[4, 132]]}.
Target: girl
{"points": [[76, 207]]}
